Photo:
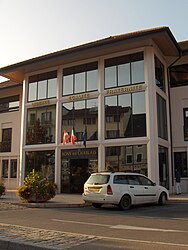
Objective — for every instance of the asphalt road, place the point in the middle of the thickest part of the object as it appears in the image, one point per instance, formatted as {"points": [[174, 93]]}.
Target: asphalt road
{"points": [[143, 227]]}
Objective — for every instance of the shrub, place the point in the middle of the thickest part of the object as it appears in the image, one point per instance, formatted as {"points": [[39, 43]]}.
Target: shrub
{"points": [[2, 188], [36, 188]]}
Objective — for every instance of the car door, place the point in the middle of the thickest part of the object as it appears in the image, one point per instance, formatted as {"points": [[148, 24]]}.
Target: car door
{"points": [[135, 189], [149, 189]]}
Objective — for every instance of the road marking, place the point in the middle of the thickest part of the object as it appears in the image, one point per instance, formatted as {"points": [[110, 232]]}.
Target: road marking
{"points": [[83, 223], [125, 227], [145, 228]]}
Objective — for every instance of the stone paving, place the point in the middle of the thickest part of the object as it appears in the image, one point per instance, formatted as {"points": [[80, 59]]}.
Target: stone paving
{"points": [[34, 238]]}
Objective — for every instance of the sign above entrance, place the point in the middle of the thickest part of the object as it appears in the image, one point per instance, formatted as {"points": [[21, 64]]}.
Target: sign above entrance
{"points": [[80, 153], [129, 89]]}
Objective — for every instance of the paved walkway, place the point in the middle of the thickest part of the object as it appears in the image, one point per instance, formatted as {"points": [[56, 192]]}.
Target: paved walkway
{"points": [[67, 200]]}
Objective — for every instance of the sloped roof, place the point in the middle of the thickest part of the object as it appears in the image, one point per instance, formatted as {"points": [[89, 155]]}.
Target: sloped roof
{"points": [[162, 36]]}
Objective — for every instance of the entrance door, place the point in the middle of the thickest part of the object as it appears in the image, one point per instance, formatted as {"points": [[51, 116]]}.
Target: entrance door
{"points": [[78, 174]]}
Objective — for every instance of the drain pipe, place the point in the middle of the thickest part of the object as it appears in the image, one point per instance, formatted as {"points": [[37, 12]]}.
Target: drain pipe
{"points": [[171, 146]]}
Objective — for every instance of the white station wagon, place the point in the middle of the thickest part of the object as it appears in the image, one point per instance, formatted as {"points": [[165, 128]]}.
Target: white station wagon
{"points": [[122, 189]]}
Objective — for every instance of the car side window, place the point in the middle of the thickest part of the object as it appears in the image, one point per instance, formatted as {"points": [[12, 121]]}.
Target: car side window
{"points": [[120, 179], [133, 180], [144, 181]]}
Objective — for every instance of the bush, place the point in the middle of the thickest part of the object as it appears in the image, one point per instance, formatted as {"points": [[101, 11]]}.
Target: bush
{"points": [[2, 188], [36, 188]]}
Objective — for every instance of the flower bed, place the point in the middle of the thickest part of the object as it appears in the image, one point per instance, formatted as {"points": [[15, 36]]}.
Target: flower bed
{"points": [[36, 188]]}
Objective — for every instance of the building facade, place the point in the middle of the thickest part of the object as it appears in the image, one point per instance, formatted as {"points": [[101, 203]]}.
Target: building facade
{"points": [[113, 97]]}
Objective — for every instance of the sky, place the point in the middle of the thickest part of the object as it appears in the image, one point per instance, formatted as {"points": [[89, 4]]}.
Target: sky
{"points": [[31, 28]]}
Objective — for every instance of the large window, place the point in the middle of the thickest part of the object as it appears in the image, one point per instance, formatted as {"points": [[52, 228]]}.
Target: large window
{"points": [[4, 168], [162, 118], [41, 125], [79, 79], [82, 115], [43, 161], [185, 116], [125, 115], [125, 158], [9, 104], [159, 74], [5, 145], [124, 70], [163, 166], [180, 162], [13, 168], [42, 86]]}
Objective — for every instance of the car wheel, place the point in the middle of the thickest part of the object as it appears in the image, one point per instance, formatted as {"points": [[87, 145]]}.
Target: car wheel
{"points": [[96, 205], [162, 199], [125, 202]]}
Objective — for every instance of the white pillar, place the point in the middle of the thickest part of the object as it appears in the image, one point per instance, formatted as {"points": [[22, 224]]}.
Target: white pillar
{"points": [[101, 118], [22, 135], [151, 115], [58, 131]]}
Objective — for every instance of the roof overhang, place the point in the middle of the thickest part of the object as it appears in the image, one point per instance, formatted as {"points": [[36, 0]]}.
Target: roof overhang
{"points": [[161, 36]]}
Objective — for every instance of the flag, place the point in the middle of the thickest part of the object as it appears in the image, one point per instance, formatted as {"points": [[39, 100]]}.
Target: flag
{"points": [[84, 137], [73, 136], [66, 137]]}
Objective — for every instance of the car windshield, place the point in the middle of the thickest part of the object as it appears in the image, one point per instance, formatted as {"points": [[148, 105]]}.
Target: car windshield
{"points": [[98, 179]]}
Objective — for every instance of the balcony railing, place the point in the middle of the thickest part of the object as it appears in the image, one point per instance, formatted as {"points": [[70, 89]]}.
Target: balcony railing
{"points": [[5, 146]]}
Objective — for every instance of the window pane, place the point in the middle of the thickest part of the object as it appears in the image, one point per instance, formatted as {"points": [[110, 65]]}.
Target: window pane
{"points": [[5, 168], [13, 168], [41, 125], [80, 82], [110, 77], [123, 158], [159, 74], [124, 74], [41, 160], [162, 118], [32, 91], [185, 112], [139, 106], [92, 119], [42, 89], [68, 85], [92, 80], [52, 88], [137, 72], [180, 161]]}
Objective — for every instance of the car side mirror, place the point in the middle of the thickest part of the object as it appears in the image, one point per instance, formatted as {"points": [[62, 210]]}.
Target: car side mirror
{"points": [[154, 184]]}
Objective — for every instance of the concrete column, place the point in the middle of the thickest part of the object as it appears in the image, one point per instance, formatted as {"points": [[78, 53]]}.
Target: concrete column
{"points": [[151, 115], [101, 118], [23, 135]]}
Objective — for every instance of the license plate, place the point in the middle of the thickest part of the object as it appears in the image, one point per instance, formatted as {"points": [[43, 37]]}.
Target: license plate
{"points": [[94, 189]]}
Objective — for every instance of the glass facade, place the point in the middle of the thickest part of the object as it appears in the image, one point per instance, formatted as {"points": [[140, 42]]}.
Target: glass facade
{"points": [[80, 79], [124, 70], [185, 118], [126, 158], [163, 166], [41, 125], [42, 86], [76, 167], [159, 74], [162, 118], [180, 162], [125, 115], [81, 115], [41, 161]]}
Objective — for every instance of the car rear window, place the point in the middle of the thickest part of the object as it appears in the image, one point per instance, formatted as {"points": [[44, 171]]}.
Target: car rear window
{"points": [[98, 179]]}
